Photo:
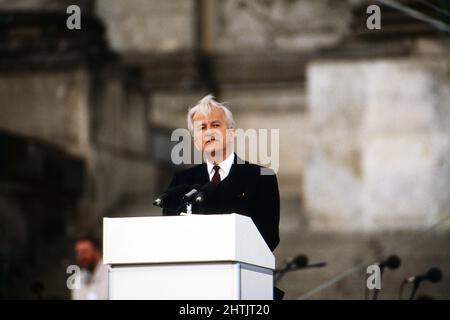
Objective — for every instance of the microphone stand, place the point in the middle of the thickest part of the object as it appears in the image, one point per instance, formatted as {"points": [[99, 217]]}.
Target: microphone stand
{"points": [[392, 262], [179, 211], [174, 212], [375, 294], [189, 198], [289, 267], [290, 264], [414, 290], [188, 207], [281, 272]]}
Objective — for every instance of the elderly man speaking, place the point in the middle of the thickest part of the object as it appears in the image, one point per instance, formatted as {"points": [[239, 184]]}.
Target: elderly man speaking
{"points": [[239, 186]]}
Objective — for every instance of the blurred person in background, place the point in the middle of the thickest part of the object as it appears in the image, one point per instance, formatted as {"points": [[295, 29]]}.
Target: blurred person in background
{"points": [[94, 274]]}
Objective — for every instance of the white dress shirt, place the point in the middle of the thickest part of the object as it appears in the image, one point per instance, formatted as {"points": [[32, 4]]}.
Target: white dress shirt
{"points": [[94, 286], [225, 167]]}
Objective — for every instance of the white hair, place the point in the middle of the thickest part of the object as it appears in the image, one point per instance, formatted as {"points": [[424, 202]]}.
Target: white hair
{"points": [[204, 106]]}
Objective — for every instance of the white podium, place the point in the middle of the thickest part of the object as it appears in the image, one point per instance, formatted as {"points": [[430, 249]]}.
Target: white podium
{"points": [[219, 257]]}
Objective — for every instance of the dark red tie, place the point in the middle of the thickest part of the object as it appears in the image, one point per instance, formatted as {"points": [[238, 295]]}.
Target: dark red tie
{"points": [[216, 177]]}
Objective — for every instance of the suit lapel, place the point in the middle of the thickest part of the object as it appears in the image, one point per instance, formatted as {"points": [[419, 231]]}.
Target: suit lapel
{"points": [[235, 176], [202, 175]]}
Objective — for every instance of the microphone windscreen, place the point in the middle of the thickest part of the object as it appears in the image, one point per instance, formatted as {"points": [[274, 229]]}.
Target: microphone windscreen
{"points": [[434, 275], [300, 261], [393, 262]]}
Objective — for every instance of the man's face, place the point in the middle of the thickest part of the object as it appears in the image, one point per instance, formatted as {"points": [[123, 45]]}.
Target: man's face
{"points": [[86, 255], [211, 135]]}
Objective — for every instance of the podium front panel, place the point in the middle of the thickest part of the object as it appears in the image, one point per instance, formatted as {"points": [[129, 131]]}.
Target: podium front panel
{"points": [[219, 257], [197, 281]]}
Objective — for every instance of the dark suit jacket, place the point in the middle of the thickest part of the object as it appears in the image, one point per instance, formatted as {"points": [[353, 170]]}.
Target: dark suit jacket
{"points": [[244, 191]]}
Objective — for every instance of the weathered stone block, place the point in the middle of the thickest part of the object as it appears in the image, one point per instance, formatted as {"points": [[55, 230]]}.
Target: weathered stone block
{"points": [[381, 144], [50, 106], [148, 26]]}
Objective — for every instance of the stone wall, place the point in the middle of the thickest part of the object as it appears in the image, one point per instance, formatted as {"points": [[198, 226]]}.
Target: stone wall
{"points": [[121, 167], [279, 25], [380, 139], [233, 26], [103, 124], [148, 26], [48, 99], [45, 5]]}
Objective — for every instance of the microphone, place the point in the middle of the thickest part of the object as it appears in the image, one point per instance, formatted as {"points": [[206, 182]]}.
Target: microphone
{"points": [[433, 275], [175, 191], [316, 265], [194, 189], [392, 262], [300, 261], [205, 190]]}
